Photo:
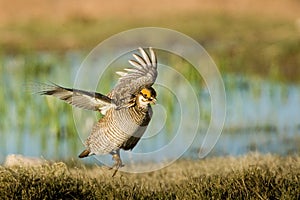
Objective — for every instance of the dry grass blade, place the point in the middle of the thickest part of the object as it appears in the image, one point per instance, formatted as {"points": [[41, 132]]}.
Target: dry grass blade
{"points": [[253, 176]]}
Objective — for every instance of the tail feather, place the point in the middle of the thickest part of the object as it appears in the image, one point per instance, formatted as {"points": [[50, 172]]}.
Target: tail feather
{"points": [[85, 153]]}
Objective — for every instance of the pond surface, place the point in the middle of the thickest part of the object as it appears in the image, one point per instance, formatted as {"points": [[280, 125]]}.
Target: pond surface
{"points": [[261, 115]]}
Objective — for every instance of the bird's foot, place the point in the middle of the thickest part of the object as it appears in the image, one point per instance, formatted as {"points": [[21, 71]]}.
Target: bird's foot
{"points": [[118, 163]]}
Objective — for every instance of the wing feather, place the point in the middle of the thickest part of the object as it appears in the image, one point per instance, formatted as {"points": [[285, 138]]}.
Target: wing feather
{"points": [[140, 60], [79, 98], [135, 64], [153, 56], [145, 56], [143, 74]]}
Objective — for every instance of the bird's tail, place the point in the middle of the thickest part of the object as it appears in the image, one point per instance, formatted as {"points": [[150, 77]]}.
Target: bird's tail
{"points": [[85, 153]]}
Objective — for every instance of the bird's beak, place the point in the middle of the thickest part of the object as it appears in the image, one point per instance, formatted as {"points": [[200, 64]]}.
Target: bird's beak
{"points": [[153, 101]]}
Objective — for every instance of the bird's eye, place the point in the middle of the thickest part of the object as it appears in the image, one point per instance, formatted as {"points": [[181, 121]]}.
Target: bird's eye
{"points": [[145, 96]]}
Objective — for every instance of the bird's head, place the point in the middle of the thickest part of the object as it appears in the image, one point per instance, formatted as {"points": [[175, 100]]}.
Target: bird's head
{"points": [[145, 97]]}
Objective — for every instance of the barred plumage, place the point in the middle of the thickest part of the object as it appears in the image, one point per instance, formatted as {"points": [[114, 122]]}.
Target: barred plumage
{"points": [[127, 126], [126, 109]]}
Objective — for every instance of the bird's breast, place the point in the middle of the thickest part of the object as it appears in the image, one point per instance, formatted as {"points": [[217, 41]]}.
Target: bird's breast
{"points": [[132, 121]]}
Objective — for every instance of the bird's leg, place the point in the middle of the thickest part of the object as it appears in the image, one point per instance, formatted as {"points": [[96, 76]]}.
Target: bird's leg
{"points": [[118, 161]]}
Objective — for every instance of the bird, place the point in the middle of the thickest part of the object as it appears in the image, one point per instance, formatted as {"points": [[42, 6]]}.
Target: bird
{"points": [[126, 110]]}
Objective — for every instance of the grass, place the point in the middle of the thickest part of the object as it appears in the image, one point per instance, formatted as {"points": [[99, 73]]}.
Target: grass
{"points": [[253, 176], [238, 38], [250, 46]]}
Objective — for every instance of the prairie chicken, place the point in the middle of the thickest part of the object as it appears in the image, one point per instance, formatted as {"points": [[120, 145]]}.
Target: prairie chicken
{"points": [[126, 109]]}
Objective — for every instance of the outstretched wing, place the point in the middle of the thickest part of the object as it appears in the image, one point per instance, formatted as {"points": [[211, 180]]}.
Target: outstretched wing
{"points": [[79, 98], [132, 80]]}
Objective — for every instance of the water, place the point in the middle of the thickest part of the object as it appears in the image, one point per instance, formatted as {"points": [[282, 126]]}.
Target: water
{"points": [[262, 115]]}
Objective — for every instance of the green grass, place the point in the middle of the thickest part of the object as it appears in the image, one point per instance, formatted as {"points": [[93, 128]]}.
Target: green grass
{"points": [[241, 44], [253, 176]]}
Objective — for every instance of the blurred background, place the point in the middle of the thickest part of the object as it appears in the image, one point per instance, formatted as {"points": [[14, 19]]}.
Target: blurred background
{"points": [[255, 44]]}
